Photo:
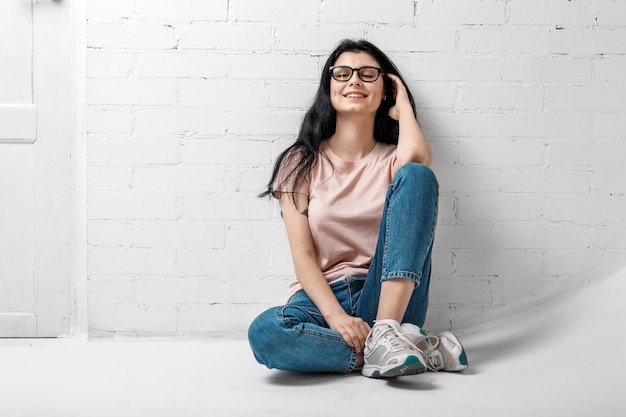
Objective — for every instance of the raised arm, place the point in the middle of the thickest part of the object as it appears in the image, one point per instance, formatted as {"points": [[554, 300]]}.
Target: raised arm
{"points": [[353, 329], [412, 144]]}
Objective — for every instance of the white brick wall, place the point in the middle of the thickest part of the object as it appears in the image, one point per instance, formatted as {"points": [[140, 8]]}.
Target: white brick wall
{"points": [[189, 102]]}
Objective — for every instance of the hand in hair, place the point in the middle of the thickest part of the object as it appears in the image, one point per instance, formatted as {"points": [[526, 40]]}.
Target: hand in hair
{"points": [[403, 104]]}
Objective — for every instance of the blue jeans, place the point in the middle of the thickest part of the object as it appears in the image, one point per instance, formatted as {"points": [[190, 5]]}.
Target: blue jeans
{"points": [[295, 337]]}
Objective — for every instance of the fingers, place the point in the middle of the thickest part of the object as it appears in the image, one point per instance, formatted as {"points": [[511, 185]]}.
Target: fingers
{"points": [[354, 333]]}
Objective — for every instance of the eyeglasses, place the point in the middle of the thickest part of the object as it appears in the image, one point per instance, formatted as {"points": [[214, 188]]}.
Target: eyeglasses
{"points": [[344, 73]]}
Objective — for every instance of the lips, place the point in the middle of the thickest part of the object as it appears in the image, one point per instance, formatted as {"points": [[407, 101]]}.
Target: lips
{"points": [[354, 94]]}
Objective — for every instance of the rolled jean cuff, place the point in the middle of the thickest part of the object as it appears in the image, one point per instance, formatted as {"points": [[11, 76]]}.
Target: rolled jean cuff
{"points": [[410, 275]]}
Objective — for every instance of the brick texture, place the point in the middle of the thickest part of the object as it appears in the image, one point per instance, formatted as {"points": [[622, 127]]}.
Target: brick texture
{"points": [[189, 102]]}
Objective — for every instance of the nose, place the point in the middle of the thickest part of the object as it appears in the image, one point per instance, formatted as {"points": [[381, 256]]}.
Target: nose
{"points": [[354, 78]]}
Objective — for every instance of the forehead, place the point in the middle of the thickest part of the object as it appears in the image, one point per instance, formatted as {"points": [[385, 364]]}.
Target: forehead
{"points": [[356, 59]]}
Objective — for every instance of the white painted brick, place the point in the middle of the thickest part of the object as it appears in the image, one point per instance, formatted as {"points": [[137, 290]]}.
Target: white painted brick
{"points": [[302, 12], [496, 208], [178, 179], [178, 235], [250, 235], [225, 36], [272, 66], [136, 319], [446, 208], [225, 206], [609, 180], [132, 151], [108, 65], [224, 94], [227, 152], [431, 96], [222, 264], [545, 236], [194, 290], [265, 122], [314, 38], [513, 262], [131, 92], [542, 70], [609, 125], [391, 12], [110, 291], [502, 97], [586, 98], [612, 13], [573, 262], [181, 122], [460, 178], [517, 153], [552, 125], [218, 320], [214, 10], [130, 205], [587, 209], [460, 125], [555, 13], [250, 179], [108, 120], [461, 291], [564, 154], [292, 96], [456, 68], [501, 41], [108, 9], [120, 261], [611, 236], [461, 236], [249, 291], [461, 12], [610, 68], [442, 264], [130, 36], [180, 65], [587, 41], [282, 265], [551, 181], [101, 178], [413, 39], [109, 233]]}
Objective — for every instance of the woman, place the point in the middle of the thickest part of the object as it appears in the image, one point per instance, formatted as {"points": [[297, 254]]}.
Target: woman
{"points": [[362, 260]]}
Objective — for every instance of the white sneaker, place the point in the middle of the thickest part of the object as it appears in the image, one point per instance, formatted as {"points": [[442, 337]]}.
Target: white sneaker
{"points": [[442, 352], [388, 353]]}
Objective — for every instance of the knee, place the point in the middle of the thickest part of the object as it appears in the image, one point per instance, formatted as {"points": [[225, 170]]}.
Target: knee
{"points": [[417, 175], [263, 333]]}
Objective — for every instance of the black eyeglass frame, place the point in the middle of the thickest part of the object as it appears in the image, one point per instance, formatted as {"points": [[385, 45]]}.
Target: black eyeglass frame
{"points": [[358, 71]]}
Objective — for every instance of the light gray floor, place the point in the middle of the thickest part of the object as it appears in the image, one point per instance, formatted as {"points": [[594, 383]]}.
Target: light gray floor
{"points": [[566, 361]]}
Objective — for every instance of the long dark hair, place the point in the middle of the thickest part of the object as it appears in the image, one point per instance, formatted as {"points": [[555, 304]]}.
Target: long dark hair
{"points": [[320, 120]]}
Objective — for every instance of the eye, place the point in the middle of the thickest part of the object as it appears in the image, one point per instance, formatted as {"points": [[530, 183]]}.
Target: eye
{"points": [[342, 73], [368, 73]]}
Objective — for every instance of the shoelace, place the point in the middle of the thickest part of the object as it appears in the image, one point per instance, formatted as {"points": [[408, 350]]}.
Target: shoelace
{"points": [[396, 340], [434, 360]]}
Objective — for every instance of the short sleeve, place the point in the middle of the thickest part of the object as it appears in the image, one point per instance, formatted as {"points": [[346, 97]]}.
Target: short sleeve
{"points": [[286, 177]]}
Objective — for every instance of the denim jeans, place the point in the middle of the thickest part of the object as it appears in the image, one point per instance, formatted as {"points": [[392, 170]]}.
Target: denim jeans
{"points": [[295, 337]]}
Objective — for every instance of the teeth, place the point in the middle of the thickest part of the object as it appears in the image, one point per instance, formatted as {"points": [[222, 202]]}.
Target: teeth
{"points": [[355, 95]]}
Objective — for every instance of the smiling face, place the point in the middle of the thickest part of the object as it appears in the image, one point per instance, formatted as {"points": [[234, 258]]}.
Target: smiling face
{"points": [[355, 95]]}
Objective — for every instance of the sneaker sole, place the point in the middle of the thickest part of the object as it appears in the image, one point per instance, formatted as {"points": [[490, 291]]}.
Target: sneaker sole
{"points": [[411, 366]]}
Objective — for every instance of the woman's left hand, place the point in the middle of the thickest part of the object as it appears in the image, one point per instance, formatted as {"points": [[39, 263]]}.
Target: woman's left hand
{"points": [[403, 104]]}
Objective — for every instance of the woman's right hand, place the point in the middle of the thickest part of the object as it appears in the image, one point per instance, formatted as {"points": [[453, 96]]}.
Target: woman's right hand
{"points": [[354, 330]]}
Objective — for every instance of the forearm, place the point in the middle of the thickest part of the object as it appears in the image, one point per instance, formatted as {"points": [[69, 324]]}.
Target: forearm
{"points": [[412, 143], [316, 287]]}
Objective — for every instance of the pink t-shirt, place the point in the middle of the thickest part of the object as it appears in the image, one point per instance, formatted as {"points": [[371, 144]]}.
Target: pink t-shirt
{"points": [[345, 207]]}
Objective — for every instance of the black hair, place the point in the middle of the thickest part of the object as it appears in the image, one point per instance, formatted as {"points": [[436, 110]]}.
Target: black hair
{"points": [[320, 120]]}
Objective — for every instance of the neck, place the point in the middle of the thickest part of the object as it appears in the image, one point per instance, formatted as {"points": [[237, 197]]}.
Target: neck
{"points": [[353, 138]]}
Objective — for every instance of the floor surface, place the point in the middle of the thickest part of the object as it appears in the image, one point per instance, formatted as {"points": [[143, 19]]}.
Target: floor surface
{"points": [[564, 361]]}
